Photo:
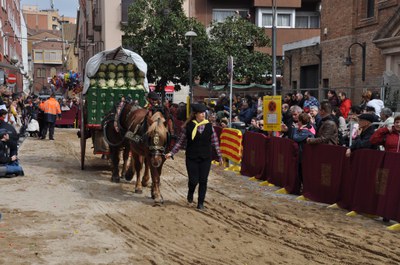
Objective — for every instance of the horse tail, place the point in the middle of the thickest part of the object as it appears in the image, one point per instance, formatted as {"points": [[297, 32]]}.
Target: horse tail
{"points": [[105, 124]]}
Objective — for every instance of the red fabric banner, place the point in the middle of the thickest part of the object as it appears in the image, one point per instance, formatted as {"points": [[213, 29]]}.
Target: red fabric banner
{"points": [[284, 158], [367, 168], [254, 159], [389, 187], [322, 167]]}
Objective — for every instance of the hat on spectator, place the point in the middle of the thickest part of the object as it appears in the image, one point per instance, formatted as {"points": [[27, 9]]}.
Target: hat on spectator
{"points": [[153, 95], [198, 108], [368, 117], [314, 108], [4, 132]]}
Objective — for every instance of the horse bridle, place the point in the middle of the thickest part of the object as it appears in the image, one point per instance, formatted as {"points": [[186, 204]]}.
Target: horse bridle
{"points": [[155, 148]]}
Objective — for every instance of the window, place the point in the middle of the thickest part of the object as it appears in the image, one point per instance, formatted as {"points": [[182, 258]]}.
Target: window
{"points": [[38, 56], [284, 18], [220, 15], [370, 8], [325, 83], [307, 20], [41, 72], [53, 71]]}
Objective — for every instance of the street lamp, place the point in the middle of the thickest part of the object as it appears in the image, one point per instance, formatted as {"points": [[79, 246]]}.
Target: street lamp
{"points": [[190, 35], [348, 61]]}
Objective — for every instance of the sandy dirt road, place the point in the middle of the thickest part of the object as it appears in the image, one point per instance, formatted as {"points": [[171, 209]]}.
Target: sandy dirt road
{"points": [[58, 214]]}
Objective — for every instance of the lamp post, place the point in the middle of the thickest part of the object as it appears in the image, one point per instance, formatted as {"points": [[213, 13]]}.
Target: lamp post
{"points": [[348, 61], [274, 47], [190, 35]]}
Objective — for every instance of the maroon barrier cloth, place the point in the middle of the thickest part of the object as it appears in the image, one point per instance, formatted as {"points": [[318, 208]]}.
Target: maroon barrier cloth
{"points": [[284, 156], [367, 167], [254, 155], [68, 117], [347, 185], [388, 187], [322, 172], [218, 131]]}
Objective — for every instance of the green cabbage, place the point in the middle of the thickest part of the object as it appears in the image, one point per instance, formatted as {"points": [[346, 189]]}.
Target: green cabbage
{"points": [[120, 68], [101, 74], [111, 75], [102, 83], [111, 83], [103, 67], [112, 67], [120, 82], [93, 82], [130, 67], [131, 82]]}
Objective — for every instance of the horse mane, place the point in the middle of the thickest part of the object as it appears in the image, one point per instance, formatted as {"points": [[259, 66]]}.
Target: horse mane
{"points": [[158, 126]]}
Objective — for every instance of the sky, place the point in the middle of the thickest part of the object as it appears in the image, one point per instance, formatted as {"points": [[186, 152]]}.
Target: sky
{"points": [[67, 8]]}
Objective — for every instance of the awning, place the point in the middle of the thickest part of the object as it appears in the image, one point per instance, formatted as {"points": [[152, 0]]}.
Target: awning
{"points": [[235, 86], [9, 66]]}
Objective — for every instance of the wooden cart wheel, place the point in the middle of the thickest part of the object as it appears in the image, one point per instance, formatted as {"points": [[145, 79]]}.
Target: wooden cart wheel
{"points": [[83, 135]]}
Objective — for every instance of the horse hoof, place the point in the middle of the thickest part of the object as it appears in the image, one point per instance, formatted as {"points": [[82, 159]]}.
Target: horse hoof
{"points": [[115, 179], [128, 176], [138, 191], [159, 200], [145, 184]]}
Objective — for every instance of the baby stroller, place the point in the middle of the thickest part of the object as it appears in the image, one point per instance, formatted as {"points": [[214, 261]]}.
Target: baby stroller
{"points": [[33, 126]]}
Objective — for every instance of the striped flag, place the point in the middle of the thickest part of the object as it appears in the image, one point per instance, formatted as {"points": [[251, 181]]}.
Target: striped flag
{"points": [[231, 144]]}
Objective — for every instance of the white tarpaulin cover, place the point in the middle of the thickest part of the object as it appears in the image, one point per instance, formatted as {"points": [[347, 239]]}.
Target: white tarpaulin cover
{"points": [[116, 56]]}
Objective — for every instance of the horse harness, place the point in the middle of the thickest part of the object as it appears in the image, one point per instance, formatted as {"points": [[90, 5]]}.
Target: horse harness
{"points": [[139, 135]]}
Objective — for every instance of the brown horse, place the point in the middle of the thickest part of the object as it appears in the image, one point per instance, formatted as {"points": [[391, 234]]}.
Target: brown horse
{"points": [[148, 138], [117, 144]]}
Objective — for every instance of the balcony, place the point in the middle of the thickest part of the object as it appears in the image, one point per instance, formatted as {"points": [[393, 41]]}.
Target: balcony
{"points": [[90, 31], [97, 17], [280, 4]]}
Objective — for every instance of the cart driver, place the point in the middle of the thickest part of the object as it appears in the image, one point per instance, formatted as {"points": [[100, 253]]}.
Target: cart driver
{"points": [[154, 102], [155, 105]]}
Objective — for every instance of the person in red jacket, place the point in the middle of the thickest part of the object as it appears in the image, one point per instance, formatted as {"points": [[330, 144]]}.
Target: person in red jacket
{"points": [[388, 137], [52, 112], [345, 104]]}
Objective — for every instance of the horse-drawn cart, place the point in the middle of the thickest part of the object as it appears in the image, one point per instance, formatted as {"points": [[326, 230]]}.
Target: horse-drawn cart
{"points": [[109, 76]]}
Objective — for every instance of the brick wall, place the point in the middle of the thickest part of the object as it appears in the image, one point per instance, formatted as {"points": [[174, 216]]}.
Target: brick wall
{"points": [[338, 31]]}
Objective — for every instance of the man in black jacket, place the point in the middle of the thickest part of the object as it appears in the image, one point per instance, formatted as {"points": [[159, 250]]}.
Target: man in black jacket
{"points": [[367, 130], [10, 162]]}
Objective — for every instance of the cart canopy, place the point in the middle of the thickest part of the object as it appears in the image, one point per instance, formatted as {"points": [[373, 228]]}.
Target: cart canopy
{"points": [[116, 56]]}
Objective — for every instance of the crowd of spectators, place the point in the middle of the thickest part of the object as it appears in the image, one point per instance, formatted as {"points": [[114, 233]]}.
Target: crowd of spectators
{"points": [[335, 120], [21, 116]]}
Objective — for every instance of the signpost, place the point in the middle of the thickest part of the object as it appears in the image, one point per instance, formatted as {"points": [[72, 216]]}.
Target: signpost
{"points": [[272, 110], [12, 79]]}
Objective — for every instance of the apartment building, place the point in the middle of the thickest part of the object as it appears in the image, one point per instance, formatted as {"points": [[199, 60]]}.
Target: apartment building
{"points": [[11, 45], [46, 47], [99, 27], [47, 19], [358, 50], [296, 19]]}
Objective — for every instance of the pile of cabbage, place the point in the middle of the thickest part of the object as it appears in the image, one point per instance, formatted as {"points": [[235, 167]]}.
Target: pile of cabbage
{"points": [[118, 76]]}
